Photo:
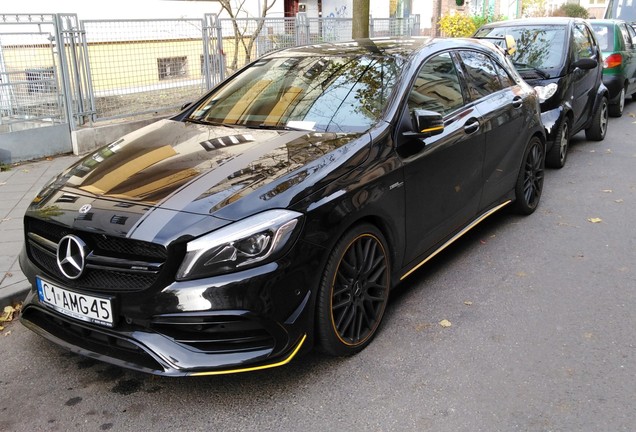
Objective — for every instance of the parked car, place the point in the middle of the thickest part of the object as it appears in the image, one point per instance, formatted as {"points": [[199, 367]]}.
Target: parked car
{"points": [[561, 59], [617, 41], [277, 212]]}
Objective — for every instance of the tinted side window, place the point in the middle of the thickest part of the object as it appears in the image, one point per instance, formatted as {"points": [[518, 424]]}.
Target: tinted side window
{"points": [[632, 33], [504, 76], [482, 75], [583, 46], [436, 87], [627, 38]]}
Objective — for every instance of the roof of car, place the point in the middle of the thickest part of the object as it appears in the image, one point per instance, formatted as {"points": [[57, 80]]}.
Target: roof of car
{"points": [[606, 21], [400, 46], [534, 21]]}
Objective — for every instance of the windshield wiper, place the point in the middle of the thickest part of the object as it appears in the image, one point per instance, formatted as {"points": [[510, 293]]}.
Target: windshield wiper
{"points": [[208, 123], [275, 127], [539, 72]]}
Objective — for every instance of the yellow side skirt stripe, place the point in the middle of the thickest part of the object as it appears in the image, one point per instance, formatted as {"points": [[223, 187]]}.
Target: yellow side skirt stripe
{"points": [[255, 368], [455, 237]]}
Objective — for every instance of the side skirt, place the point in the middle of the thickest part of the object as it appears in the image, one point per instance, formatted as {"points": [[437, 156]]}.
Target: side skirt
{"points": [[455, 237]]}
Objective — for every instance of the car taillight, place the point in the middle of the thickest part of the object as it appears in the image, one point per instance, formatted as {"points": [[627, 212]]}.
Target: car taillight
{"points": [[612, 61]]}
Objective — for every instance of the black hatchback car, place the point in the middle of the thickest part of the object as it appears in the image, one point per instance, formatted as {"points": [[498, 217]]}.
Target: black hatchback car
{"points": [[277, 212], [560, 57]]}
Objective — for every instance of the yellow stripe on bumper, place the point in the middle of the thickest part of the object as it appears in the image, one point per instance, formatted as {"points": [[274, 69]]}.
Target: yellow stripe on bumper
{"points": [[255, 368]]}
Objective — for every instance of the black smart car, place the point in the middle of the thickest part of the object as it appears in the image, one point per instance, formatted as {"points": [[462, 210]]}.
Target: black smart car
{"points": [[277, 212], [561, 59]]}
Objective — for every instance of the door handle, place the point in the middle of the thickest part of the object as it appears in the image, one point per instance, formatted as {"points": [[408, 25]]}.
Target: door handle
{"points": [[471, 126], [517, 102]]}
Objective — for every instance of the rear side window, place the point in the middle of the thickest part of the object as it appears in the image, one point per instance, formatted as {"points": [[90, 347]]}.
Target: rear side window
{"points": [[627, 38], [436, 87], [504, 76], [482, 76]]}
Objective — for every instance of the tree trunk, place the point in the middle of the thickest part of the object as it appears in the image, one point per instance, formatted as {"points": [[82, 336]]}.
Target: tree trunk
{"points": [[360, 25]]}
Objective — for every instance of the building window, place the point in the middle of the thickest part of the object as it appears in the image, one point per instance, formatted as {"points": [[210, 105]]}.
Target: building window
{"points": [[172, 67]]}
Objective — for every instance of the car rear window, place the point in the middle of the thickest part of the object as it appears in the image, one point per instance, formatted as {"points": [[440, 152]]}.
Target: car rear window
{"points": [[605, 36]]}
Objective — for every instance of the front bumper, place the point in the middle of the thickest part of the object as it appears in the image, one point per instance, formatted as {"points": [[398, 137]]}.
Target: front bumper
{"points": [[255, 319]]}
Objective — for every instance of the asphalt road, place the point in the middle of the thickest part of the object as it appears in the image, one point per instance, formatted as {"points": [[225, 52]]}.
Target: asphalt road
{"points": [[542, 338]]}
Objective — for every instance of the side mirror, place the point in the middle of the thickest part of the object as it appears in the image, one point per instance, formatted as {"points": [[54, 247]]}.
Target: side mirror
{"points": [[185, 105], [426, 124], [585, 64]]}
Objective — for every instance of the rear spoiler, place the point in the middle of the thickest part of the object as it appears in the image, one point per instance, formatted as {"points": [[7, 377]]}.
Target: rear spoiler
{"points": [[507, 44]]}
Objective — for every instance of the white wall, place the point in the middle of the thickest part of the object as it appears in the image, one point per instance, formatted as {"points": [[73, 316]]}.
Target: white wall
{"points": [[134, 9], [344, 8]]}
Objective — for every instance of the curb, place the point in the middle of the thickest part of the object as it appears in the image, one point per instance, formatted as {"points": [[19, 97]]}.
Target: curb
{"points": [[14, 293]]}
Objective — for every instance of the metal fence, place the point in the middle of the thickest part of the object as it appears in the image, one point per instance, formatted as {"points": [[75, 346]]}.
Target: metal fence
{"points": [[29, 74], [56, 68]]}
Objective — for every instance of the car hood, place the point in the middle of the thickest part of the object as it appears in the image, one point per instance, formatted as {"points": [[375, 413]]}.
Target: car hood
{"points": [[171, 174]]}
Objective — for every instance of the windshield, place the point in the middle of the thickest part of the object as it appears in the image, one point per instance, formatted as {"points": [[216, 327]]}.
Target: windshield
{"points": [[325, 94], [621, 9], [541, 47]]}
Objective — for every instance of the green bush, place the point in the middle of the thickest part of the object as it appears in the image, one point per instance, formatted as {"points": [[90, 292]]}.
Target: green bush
{"points": [[457, 25], [571, 10]]}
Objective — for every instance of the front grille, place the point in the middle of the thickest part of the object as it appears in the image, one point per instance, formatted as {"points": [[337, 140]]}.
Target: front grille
{"points": [[115, 264], [215, 334]]}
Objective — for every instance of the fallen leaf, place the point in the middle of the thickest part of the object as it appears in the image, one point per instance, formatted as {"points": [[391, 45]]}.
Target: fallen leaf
{"points": [[7, 333], [423, 326], [608, 151], [588, 335], [3, 183], [8, 314], [595, 220], [618, 201], [607, 190], [521, 274], [482, 242], [1, 328], [445, 323], [8, 274], [632, 115], [592, 151], [25, 170], [5, 219], [468, 303]]}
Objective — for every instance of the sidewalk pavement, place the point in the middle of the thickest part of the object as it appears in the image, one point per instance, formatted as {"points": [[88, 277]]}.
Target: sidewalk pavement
{"points": [[18, 187]]}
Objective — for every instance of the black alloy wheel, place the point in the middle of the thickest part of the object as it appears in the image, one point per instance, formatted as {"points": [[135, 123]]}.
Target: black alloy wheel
{"points": [[558, 154], [530, 180], [354, 291]]}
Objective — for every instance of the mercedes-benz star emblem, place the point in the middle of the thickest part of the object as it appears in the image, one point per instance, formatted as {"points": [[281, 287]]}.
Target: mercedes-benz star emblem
{"points": [[71, 256], [85, 208]]}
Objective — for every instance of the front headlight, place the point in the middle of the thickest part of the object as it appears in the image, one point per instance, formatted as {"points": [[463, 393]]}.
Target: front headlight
{"points": [[546, 92], [240, 245]]}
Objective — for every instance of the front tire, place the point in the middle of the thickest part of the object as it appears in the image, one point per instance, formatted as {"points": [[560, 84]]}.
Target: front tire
{"points": [[530, 179], [558, 154], [598, 128], [616, 110], [354, 291]]}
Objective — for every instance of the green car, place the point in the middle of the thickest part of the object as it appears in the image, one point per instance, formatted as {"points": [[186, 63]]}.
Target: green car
{"points": [[617, 40]]}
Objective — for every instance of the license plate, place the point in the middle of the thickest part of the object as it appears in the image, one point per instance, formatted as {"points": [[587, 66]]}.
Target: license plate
{"points": [[97, 310]]}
